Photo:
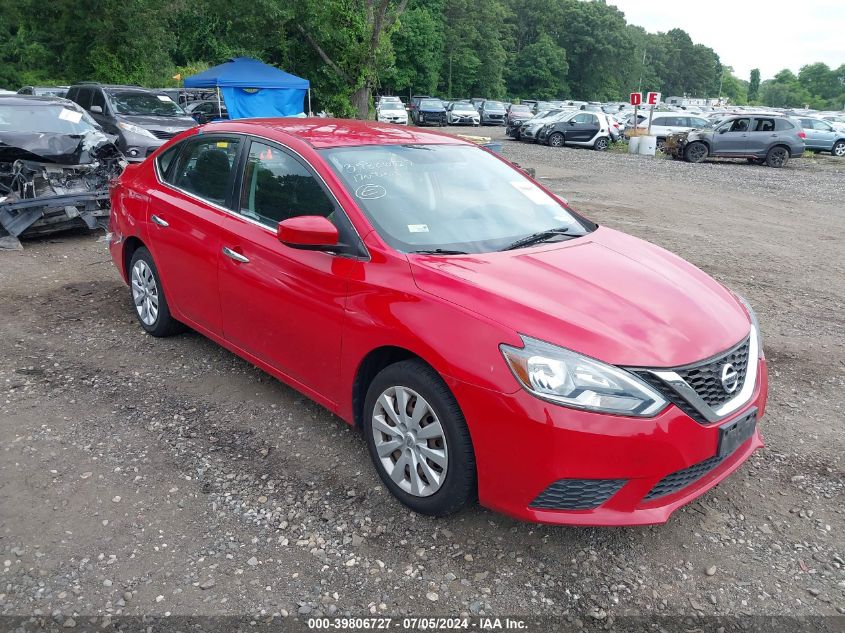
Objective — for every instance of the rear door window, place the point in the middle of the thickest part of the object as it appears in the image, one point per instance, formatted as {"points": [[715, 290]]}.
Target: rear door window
{"points": [[206, 168], [764, 125]]}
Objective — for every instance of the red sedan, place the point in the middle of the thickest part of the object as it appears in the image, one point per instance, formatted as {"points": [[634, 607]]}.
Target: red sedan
{"points": [[488, 340]]}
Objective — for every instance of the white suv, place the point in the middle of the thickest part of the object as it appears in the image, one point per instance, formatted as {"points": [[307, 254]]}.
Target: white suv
{"points": [[665, 123]]}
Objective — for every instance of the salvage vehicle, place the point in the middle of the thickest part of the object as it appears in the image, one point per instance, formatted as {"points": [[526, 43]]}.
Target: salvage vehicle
{"points": [[584, 128], [55, 166], [665, 123], [517, 112], [488, 340], [822, 136], [762, 139], [429, 111], [492, 113], [528, 130], [44, 91], [391, 111], [205, 111], [141, 119], [462, 113]]}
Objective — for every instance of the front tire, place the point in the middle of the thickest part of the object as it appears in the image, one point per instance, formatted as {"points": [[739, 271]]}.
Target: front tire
{"points": [[556, 139], [777, 157], [838, 149], [147, 294], [695, 152], [418, 439]]}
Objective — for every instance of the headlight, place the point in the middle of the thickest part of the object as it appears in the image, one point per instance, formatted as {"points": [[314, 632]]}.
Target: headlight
{"points": [[568, 378], [755, 329], [134, 129]]}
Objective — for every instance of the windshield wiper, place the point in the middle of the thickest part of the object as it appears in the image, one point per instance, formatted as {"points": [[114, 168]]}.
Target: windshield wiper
{"points": [[536, 238], [439, 251]]}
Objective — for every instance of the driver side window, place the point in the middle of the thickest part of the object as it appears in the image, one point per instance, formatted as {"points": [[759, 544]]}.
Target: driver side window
{"points": [[276, 186]]}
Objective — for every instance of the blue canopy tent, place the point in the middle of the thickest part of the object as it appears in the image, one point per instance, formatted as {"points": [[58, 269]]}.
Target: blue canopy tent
{"points": [[251, 88]]}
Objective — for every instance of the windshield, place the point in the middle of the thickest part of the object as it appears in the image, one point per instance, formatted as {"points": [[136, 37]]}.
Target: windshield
{"points": [[431, 104], [463, 106], [520, 109], [494, 105], [45, 119], [450, 197], [391, 105], [140, 103]]}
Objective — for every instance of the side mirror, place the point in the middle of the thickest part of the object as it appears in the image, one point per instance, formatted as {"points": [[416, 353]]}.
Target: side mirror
{"points": [[200, 117], [97, 109], [308, 232], [571, 122], [723, 130]]}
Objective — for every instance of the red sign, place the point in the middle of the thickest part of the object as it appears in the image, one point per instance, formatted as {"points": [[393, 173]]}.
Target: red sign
{"points": [[636, 98], [653, 98]]}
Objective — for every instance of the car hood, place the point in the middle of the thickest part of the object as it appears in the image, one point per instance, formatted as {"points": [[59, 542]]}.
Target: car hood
{"points": [[166, 123], [464, 111], [63, 149], [607, 295]]}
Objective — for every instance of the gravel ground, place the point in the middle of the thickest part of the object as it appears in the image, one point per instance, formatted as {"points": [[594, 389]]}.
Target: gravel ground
{"points": [[143, 476]]}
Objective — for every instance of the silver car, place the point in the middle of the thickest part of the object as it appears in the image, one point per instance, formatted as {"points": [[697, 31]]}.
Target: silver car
{"points": [[762, 139]]}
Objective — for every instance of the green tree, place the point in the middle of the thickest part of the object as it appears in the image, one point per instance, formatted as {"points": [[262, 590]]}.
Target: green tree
{"points": [[754, 85], [784, 91], [540, 70], [418, 49]]}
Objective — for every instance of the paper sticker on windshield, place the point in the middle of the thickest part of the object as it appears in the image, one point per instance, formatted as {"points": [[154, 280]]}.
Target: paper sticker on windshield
{"points": [[370, 192], [70, 115], [418, 228], [223, 144], [530, 191], [164, 98]]}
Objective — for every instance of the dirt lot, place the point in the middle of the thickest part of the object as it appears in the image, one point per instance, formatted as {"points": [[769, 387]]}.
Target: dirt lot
{"points": [[144, 476]]}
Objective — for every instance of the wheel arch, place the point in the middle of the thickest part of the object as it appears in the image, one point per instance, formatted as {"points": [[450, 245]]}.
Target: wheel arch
{"points": [[131, 245], [369, 366]]}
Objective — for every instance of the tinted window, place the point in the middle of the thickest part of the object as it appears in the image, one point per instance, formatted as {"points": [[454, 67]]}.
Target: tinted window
{"points": [[137, 102], [738, 125], [83, 97], [205, 168], [276, 187], [764, 125], [99, 100]]}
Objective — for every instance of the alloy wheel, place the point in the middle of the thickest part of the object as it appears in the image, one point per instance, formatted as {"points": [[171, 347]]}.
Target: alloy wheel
{"points": [[778, 157], [839, 149], [601, 144], [556, 140], [145, 292], [410, 441]]}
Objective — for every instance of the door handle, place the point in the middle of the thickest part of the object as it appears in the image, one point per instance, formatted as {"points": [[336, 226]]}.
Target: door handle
{"points": [[228, 252], [159, 221]]}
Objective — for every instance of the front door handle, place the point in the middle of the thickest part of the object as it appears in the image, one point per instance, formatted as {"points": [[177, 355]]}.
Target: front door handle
{"points": [[228, 252], [159, 221]]}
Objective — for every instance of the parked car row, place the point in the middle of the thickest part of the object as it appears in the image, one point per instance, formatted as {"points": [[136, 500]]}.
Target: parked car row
{"points": [[558, 128]]}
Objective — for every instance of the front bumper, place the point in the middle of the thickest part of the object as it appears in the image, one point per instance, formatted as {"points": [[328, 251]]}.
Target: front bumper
{"points": [[523, 445], [432, 118], [492, 119]]}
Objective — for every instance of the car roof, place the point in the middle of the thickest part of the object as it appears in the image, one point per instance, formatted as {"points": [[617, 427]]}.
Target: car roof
{"points": [[17, 99], [323, 133]]}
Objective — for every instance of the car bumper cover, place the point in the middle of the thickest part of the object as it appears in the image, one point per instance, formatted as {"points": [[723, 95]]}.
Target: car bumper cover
{"points": [[551, 464]]}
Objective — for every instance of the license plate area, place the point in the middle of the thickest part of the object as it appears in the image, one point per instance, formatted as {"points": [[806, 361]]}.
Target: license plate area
{"points": [[735, 433]]}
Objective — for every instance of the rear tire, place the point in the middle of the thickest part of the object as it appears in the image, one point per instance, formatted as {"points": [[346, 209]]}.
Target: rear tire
{"points": [[777, 157], [695, 152], [601, 144], [147, 295], [408, 471]]}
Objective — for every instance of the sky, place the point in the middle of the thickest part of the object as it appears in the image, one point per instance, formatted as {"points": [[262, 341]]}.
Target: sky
{"points": [[750, 34]]}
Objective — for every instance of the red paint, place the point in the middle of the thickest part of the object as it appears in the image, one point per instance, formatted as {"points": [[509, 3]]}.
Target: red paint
{"points": [[636, 98], [309, 318], [307, 230]]}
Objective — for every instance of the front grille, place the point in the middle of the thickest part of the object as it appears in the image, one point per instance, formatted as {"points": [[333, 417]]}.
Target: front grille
{"points": [[577, 494], [671, 395], [163, 134], [706, 378], [683, 478]]}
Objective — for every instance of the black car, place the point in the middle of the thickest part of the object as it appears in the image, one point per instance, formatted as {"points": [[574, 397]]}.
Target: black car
{"points": [[428, 111], [55, 166], [141, 119]]}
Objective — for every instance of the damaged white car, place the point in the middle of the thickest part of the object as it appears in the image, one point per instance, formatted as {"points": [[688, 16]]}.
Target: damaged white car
{"points": [[55, 167]]}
